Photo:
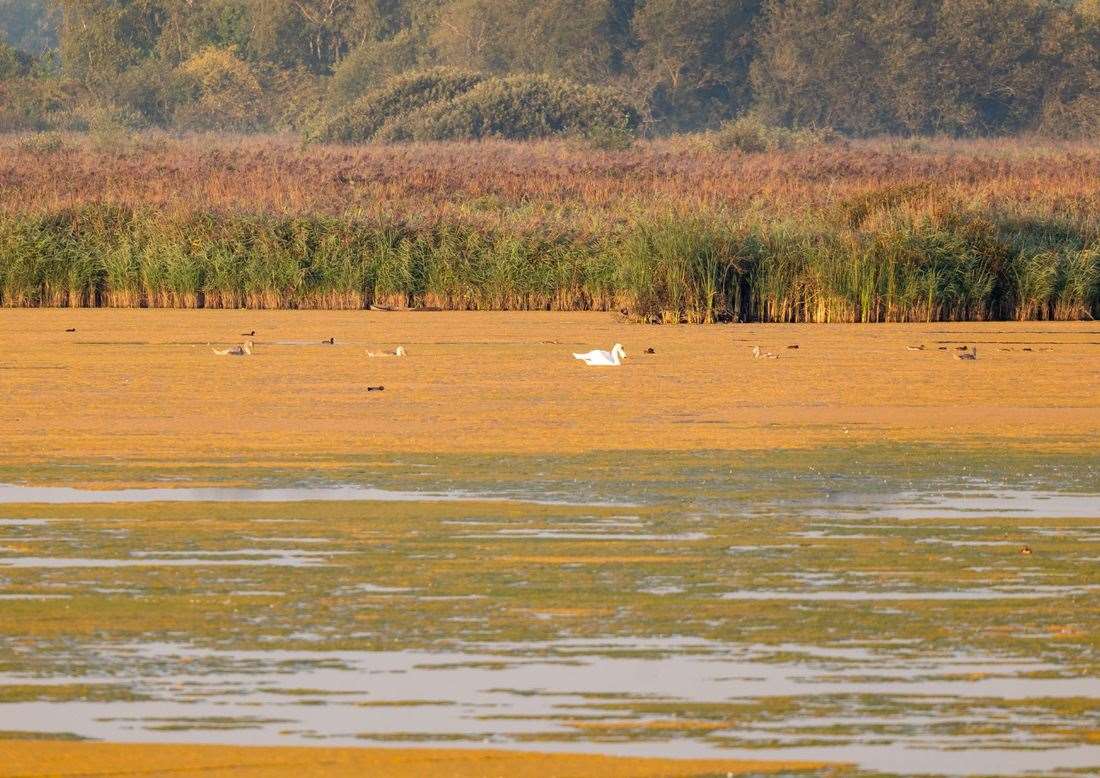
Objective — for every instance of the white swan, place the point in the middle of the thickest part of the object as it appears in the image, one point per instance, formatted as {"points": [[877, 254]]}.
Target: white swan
{"points": [[397, 352], [243, 350], [611, 358]]}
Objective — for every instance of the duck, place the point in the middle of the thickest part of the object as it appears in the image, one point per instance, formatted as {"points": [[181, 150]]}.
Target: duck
{"points": [[597, 358], [242, 350], [71, 329], [329, 342], [969, 355], [915, 348], [397, 352], [758, 354]]}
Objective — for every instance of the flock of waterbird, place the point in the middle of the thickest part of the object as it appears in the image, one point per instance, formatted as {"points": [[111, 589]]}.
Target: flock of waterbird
{"points": [[594, 358]]}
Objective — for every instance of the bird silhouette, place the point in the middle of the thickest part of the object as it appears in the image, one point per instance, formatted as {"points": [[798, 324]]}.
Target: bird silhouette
{"points": [[329, 342], [248, 334]]}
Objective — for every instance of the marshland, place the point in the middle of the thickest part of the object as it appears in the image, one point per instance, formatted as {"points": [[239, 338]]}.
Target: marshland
{"points": [[741, 413], [675, 230]]}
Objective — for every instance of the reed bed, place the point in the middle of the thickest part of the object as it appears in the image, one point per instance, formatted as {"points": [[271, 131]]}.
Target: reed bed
{"points": [[671, 231]]}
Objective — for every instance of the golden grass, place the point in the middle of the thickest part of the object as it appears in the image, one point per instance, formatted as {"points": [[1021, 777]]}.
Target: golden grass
{"points": [[38, 759], [532, 184]]}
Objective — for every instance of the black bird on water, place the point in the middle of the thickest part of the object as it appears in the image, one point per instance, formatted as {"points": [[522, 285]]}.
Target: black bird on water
{"points": [[376, 388], [651, 351], [248, 334], [329, 342], [71, 329]]}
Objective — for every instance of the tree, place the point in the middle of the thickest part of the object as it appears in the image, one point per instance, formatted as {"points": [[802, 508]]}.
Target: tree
{"points": [[101, 38], [821, 63], [693, 56], [986, 65], [28, 25]]}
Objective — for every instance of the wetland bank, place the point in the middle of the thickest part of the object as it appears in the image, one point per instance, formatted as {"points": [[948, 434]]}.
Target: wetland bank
{"points": [[811, 564]]}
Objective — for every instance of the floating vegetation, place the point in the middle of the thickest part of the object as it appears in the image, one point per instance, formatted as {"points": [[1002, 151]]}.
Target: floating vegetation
{"points": [[583, 625]]}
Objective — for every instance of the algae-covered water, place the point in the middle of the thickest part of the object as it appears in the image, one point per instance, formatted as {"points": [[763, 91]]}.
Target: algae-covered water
{"points": [[905, 610]]}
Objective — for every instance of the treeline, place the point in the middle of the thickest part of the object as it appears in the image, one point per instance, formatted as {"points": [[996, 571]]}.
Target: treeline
{"points": [[961, 67]]}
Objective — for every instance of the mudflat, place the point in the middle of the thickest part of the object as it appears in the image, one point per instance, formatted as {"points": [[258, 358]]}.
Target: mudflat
{"points": [[146, 384]]}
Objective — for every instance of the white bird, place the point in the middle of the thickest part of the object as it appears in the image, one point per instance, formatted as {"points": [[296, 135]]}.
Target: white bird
{"points": [[597, 358], [397, 352], [243, 350]]}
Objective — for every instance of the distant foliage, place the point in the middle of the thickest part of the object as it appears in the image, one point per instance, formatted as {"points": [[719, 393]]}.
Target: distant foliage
{"points": [[751, 135], [517, 108], [225, 92], [361, 120], [371, 64], [862, 67]]}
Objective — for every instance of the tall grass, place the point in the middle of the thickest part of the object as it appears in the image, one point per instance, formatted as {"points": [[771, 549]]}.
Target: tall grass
{"points": [[900, 265], [673, 230]]}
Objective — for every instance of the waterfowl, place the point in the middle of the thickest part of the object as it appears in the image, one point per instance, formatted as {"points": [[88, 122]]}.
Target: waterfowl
{"points": [[962, 348], [243, 350], [597, 358], [329, 342], [915, 348], [651, 351], [248, 334], [758, 354], [376, 388], [793, 347], [71, 329], [1026, 550], [397, 352], [969, 355]]}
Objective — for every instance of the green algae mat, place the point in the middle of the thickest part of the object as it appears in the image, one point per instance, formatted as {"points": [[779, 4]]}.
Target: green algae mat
{"points": [[904, 610]]}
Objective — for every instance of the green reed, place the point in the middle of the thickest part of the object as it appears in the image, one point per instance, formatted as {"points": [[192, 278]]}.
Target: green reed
{"points": [[901, 261]]}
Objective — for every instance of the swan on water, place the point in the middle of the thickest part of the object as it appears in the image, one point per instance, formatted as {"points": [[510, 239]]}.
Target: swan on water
{"points": [[598, 358], [397, 352], [243, 350]]}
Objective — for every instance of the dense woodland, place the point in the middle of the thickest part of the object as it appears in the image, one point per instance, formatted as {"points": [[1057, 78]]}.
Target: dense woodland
{"points": [[860, 67]]}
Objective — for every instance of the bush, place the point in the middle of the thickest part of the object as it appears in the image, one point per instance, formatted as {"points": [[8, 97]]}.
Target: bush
{"points": [[610, 137], [751, 135], [361, 120], [37, 104], [518, 108], [109, 125], [225, 93], [13, 63], [372, 64], [1077, 118]]}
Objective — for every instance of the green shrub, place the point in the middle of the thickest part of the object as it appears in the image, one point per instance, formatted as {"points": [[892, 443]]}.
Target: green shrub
{"points": [[751, 135], [371, 65], [516, 107], [361, 120], [225, 93], [610, 137]]}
